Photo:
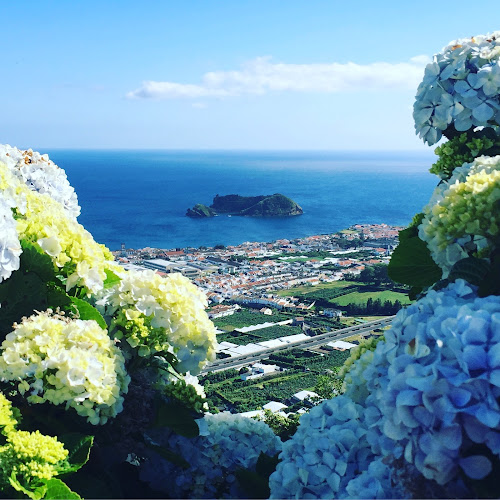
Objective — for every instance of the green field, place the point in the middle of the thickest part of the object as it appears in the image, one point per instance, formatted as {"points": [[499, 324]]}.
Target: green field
{"points": [[362, 297], [305, 290], [247, 317]]}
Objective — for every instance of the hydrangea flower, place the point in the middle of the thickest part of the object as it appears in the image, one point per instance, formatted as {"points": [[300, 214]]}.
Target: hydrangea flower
{"points": [[29, 457], [461, 87], [7, 420], [71, 247], [71, 362], [10, 247], [42, 175], [427, 395], [26, 457], [328, 451], [462, 218], [227, 443], [156, 314], [442, 383]]}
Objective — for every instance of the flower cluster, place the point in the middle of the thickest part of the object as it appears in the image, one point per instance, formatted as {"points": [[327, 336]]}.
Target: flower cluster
{"points": [[328, 451], [156, 314], [460, 88], [10, 248], [66, 362], [26, 457], [71, 247], [461, 218], [440, 398], [427, 395], [30, 456], [356, 353], [7, 420], [462, 149], [41, 174], [228, 442]]}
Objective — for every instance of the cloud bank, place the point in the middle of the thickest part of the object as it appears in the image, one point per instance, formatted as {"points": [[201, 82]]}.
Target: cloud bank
{"points": [[261, 75]]}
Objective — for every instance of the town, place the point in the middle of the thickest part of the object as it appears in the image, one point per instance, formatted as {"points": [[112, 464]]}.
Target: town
{"points": [[268, 300]]}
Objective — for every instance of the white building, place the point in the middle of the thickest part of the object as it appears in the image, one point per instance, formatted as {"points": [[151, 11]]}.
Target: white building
{"points": [[259, 370]]}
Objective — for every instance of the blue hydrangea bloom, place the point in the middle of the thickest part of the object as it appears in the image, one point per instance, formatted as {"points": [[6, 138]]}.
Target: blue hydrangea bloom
{"points": [[426, 397], [227, 443]]}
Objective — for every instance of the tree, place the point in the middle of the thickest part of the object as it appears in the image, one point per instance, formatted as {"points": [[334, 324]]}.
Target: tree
{"points": [[327, 386]]}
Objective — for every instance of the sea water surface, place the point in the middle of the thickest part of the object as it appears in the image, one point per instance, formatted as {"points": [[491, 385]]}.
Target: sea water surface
{"points": [[140, 197]]}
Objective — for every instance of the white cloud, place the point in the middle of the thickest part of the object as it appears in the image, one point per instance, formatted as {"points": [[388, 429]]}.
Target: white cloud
{"points": [[261, 75]]}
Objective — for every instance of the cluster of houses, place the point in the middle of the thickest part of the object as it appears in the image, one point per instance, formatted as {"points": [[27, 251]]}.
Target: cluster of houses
{"points": [[249, 273]]}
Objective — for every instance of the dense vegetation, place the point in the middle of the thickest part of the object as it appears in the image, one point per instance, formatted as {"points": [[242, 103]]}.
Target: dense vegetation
{"points": [[247, 317], [303, 369], [273, 332]]}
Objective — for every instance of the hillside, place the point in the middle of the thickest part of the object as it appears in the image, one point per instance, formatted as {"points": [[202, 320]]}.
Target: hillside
{"points": [[275, 205]]}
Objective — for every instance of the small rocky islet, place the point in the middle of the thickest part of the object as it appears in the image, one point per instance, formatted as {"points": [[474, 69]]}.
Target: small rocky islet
{"points": [[274, 205]]}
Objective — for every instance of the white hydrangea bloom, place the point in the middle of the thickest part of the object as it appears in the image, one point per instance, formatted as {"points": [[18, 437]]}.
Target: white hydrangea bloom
{"points": [[10, 248], [461, 87], [462, 217], [41, 174], [71, 362], [158, 314]]}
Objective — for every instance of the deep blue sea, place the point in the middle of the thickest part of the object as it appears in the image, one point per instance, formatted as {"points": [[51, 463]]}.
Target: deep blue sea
{"points": [[140, 197]]}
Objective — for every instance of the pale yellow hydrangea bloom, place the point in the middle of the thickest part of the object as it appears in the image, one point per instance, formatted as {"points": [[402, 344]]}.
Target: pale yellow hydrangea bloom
{"points": [[70, 246], [30, 456], [156, 314], [7, 420], [71, 362], [463, 217]]}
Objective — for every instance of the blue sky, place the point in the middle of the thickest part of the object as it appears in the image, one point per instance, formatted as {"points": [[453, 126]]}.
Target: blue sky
{"points": [[219, 74]]}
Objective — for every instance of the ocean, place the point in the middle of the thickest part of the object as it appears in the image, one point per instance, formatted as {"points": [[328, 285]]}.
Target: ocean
{"points": [[140, 197]]}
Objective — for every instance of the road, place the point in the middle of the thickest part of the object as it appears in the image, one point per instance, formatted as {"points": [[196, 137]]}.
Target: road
{"points": [[324, 338]]}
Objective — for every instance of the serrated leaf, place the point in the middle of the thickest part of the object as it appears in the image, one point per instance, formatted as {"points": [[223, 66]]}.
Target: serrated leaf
{"points": [[176, 417], [254, 485], [35, 494], [58, 490], [111, 279], [169, 455], [78, 446], [88, 312], [57, 297], [34, 260], [20, 295], [412, 264], [471, 269]]}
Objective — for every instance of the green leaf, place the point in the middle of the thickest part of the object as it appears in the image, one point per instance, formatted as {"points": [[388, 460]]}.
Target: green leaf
{"points": [[88, 312], [176, 417], [111, 279], [35, 260], [412, 264], [20, 295], [169, 455], [471, 269], [35, 494], [57, 297], [78, 446], [414, 292], [57, 489], [254, 485]]}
